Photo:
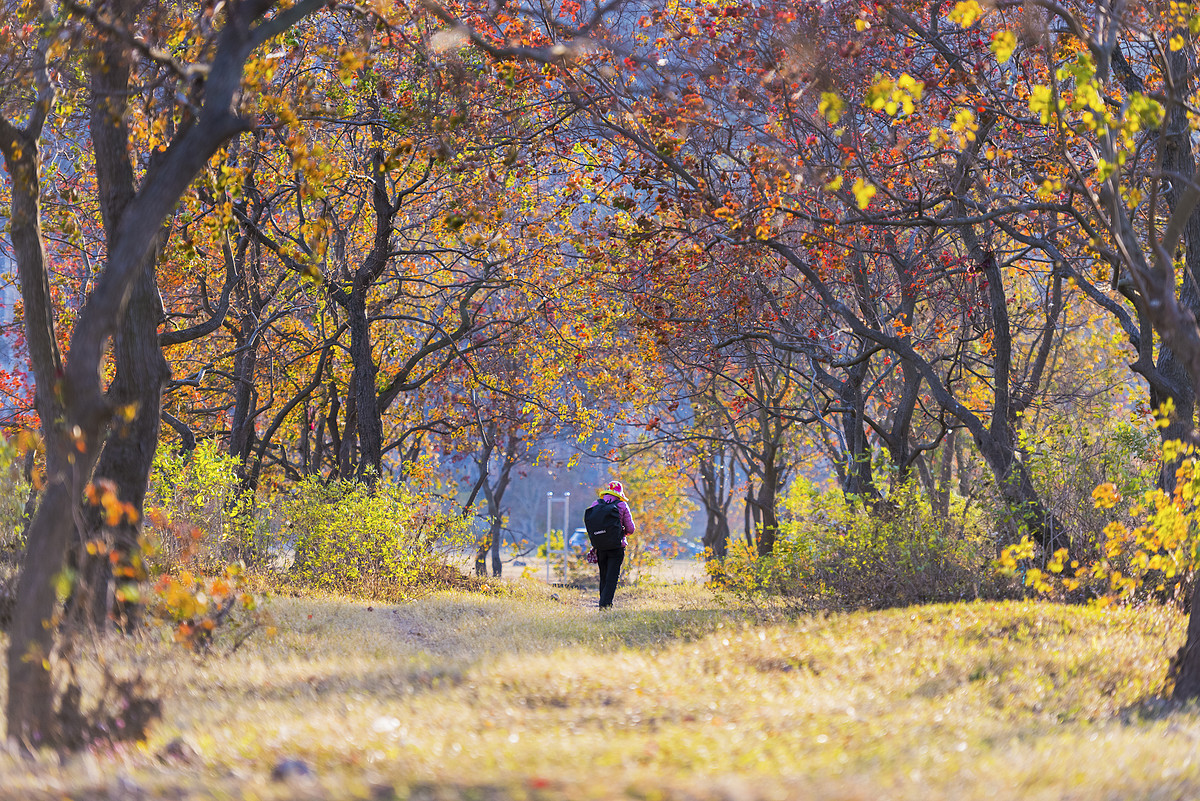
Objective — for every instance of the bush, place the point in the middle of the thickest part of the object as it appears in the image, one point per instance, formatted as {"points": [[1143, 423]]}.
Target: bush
{"points": [[1148, 551], [1069, 459], [198, 514], [841, 554], [14, 492], [382, 541]]}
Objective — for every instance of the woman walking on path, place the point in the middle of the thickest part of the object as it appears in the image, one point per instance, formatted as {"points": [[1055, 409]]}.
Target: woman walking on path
{"points": [[610, 559]]}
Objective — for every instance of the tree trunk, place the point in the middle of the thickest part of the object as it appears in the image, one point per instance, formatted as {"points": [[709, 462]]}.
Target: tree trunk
{"points": [[127, 457], [1027, 514], [497, 562], [366, 398], [141, 372], [348, 439], [718, 540], [482, 548], [1178, 159], [1187, 661], [715, 494], [30, 705], [751, 512], [71, 401], [859, 479], [940, 496], [245, 398], [764, 504], [31, 694]]}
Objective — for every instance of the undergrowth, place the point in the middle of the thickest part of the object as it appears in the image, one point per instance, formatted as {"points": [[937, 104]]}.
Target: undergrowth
{"points": [[836, 552]]}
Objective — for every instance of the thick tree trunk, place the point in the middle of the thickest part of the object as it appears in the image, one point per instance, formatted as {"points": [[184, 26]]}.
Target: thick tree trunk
{"points": [[769, 531], [858, 474], [367, 414], [30, 704], [31, 694], [716, 535], [141, 372], [1179, 159], [715, 491], [1187, 662], [900, 446], [71, 401], [497, 541], [751, 516], [245, 398], [366, 398], [1027, 515], [127, 457], [1180, 352]]}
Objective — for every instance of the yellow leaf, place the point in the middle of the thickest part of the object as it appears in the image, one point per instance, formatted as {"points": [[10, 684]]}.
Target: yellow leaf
{"points": [[835, 184], [965, 13], [1176, 42], [1003, 45], [863, 192], [1105, 496], [831, 106]]}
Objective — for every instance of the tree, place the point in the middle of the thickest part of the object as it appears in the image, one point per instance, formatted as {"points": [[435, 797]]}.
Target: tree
{"points": [[74, 407]]}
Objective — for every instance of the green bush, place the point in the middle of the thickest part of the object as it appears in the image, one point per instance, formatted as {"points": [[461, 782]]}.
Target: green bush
{"points": [[839, 554], [1069, 460], [199, 515], [14, 492], [382, 541]]}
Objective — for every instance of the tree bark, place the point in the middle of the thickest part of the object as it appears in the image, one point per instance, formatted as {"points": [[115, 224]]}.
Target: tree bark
{"points": [[768, 532], [716, 478], [245, 398], [30, 705], [141, 372]]}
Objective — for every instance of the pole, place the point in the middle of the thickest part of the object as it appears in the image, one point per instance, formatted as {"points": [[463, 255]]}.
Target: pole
{"points": [[549, 506], [566, 523]]}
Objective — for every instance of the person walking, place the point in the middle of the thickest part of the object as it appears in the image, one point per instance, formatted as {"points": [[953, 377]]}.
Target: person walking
{"points": [[609, 557]]}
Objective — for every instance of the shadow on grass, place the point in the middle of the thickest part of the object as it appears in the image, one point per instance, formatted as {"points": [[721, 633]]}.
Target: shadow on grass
{"points": [[380, 683], [1153, 708], [641, 620]]}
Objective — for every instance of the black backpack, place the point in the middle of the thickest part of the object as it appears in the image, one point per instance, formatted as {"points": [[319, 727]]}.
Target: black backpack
{"points": [[604, 526]]}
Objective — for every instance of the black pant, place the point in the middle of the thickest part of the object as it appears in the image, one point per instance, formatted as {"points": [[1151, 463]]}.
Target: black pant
{"points": [[610, 573]]}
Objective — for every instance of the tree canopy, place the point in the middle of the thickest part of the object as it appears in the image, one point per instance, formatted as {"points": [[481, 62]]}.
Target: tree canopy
{"points": [[761, 239]]}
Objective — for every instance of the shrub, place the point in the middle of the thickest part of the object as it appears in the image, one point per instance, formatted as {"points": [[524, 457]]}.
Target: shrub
{"points": [[382, 541], [1149, 550], [198, 513], [1070, 458], [842, 554], [14, 492], [195, 608]]}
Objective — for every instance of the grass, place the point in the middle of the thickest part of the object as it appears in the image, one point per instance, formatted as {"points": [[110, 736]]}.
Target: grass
{"points": [[526, 695]]}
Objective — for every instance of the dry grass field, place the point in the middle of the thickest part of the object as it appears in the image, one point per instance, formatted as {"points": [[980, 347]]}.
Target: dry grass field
{"points": [[527, 694]]}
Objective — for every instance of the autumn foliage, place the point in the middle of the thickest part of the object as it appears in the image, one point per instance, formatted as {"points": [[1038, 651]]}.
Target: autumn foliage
{"points": [[363, 268]]}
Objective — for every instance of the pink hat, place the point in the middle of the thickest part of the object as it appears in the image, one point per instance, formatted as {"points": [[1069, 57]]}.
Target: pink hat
{"points": [[613, 488]]}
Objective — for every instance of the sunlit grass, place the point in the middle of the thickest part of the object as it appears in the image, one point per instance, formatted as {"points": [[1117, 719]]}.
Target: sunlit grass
{"points": [[670, 695]]}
